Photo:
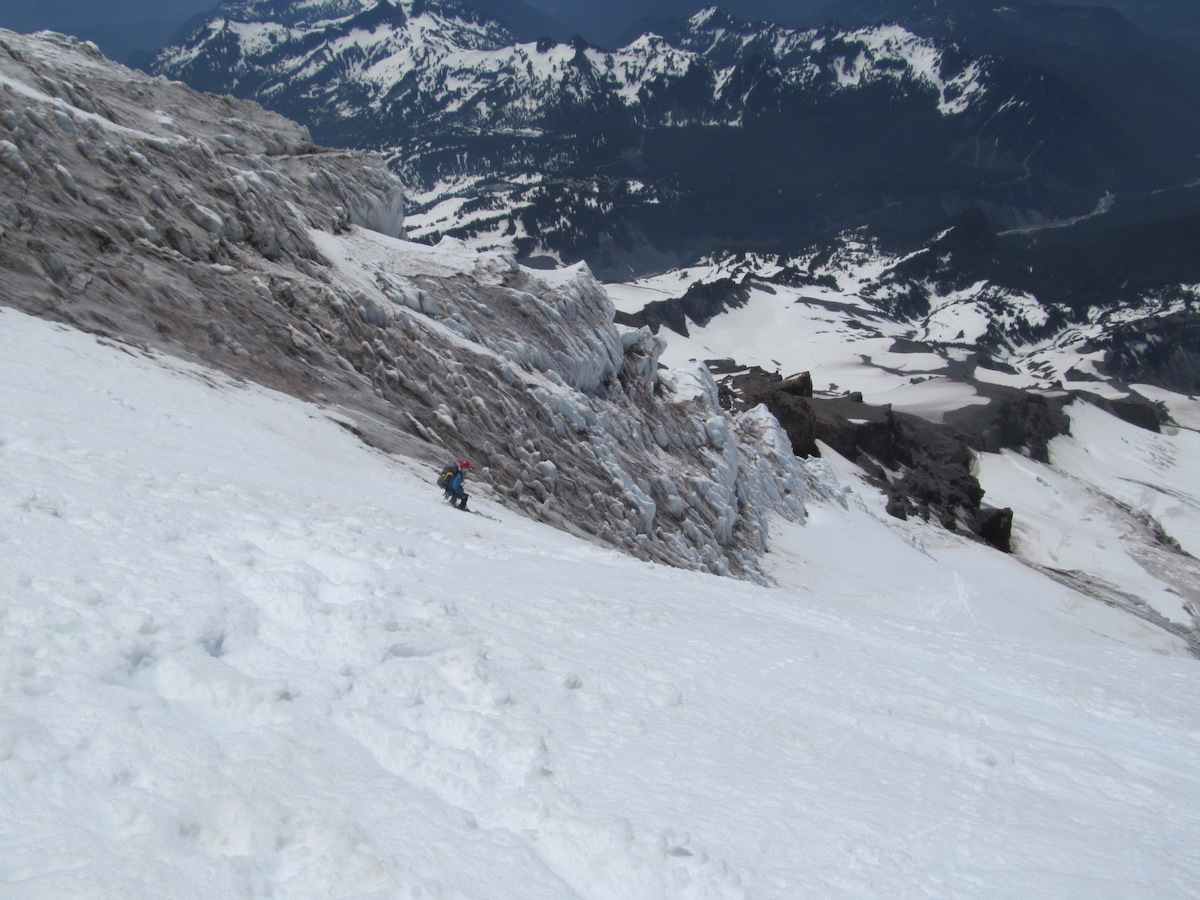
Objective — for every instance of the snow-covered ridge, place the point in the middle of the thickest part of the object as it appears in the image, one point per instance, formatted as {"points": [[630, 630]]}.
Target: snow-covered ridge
{"points": [[926, 62], [839, 59], [427, 56], [270, 44], [225, 235]]}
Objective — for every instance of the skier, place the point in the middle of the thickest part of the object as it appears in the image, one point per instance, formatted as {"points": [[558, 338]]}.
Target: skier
{"points": [[451, 481]]}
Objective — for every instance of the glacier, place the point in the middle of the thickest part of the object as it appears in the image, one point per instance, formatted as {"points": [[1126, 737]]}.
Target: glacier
{"points": [[236, 236]]}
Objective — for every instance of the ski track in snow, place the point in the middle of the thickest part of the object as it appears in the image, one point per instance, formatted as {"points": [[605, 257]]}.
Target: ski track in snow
{"points": [[243, 655]]}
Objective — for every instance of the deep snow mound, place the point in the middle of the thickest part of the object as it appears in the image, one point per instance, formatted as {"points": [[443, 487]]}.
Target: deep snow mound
{"points": [[136, 207]]}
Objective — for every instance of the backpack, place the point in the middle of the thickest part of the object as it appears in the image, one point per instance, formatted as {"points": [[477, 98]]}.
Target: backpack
{"points": [[443, 480]]}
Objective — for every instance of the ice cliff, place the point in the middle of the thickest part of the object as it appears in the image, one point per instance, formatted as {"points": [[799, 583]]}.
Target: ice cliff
{"points": [[209, 228]]}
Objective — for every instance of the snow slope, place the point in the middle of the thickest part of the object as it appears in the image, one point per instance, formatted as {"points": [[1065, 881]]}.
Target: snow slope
{"points": [[846, 335], [243, 655], [210, 229], [1071, 514]]}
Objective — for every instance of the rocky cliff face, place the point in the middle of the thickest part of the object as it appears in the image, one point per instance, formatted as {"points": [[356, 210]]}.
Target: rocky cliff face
{"points": [[1163, 351], [925, 469], [209, 228]]}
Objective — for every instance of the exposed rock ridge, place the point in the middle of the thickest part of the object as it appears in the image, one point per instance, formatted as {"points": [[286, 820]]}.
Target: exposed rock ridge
{"points": [[926, 468], [699, 303]]}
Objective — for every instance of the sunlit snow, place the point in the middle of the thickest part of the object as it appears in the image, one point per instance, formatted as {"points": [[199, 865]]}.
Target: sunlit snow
{"points": [[841, 335], [245, 655]]}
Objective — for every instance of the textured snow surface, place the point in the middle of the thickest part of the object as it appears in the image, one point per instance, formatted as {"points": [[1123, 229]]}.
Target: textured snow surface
{"points": [[1071, 511], [243, 655]]}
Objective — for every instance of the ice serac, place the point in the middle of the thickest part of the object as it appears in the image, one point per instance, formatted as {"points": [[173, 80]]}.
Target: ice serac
{"points": [[212, 229]]}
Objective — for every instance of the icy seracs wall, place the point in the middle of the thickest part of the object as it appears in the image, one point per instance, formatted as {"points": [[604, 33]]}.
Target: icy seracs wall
{"points": [[525, 372], [214, 229]]}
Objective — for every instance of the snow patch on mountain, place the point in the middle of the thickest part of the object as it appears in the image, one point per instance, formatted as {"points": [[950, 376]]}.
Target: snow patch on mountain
{"points": [[846, 320], [646, 61], [966, 316], [245, 654], [1138, 508], [925, 60]]}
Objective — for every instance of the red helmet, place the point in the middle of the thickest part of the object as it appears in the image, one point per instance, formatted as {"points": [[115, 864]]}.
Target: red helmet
{"points": [[464, 465]]}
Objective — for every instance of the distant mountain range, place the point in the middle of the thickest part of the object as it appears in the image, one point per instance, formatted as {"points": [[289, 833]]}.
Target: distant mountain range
{"points": [[133, 30], [718, 134]]}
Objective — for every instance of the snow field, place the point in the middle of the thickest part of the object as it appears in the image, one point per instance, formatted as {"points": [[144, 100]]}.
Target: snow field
{"points": [[788, 331], [1100, 522], [846, 342], [243, 655]]}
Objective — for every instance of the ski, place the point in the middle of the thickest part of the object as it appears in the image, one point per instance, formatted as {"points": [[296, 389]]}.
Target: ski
{"points": [[473, 512], [476, 512]]}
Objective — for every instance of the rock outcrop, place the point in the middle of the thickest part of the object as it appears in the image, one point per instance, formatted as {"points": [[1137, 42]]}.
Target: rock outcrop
{"points": [[699, 303], [926, 468], [1163, 351]]}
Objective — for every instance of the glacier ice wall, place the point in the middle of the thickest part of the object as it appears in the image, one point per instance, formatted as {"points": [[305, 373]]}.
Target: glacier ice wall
{"points": [[210, 228]]}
